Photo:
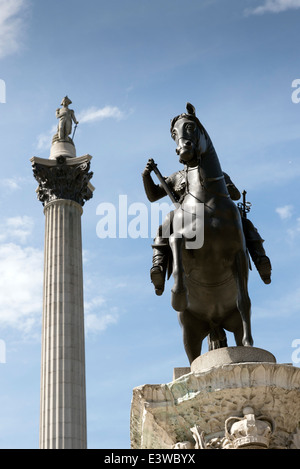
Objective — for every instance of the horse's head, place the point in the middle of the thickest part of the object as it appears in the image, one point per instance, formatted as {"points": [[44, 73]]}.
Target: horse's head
{"points": [[189, 135]]}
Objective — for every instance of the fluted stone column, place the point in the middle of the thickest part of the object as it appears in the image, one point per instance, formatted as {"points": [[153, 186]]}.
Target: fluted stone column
{"points": [[64, 186]]}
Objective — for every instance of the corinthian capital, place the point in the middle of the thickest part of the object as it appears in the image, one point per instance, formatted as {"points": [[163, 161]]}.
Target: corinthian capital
{"points": [[63, 178]]}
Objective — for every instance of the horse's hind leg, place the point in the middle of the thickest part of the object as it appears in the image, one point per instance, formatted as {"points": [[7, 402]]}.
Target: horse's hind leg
{"points": [[194, 332], [243, 300]]}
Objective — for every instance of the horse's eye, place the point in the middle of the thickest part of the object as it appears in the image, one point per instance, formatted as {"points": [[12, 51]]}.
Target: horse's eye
{"points": [[190, 127]]}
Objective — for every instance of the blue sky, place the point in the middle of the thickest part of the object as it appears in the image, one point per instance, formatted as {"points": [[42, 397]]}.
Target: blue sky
{"points": [[129, 67]]}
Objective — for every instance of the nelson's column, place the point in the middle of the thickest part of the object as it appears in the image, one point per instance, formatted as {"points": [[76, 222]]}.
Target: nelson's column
{"points": [[64, 186]]}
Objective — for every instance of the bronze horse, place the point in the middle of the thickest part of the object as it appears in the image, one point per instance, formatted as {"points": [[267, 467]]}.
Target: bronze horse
{"points": [[210, 291]]}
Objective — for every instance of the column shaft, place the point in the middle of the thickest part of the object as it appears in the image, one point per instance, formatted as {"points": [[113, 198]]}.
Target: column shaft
{"points": [[63, 393]]}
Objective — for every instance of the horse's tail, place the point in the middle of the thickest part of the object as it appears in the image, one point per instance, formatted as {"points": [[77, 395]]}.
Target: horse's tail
{"points": [[217, 338]]}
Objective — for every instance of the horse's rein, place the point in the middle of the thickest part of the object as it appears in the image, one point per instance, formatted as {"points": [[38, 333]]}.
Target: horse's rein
{"points": [[202, 182]]}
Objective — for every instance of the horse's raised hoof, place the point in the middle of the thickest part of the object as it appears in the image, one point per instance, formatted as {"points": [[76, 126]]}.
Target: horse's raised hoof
{"points": [[179, 300]]}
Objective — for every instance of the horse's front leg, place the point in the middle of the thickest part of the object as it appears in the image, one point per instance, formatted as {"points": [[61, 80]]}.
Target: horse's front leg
{"points": [[179, 292]]}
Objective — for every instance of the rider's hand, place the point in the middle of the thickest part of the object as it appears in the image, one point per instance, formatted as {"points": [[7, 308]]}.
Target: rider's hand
{"points": [[148, 169]]}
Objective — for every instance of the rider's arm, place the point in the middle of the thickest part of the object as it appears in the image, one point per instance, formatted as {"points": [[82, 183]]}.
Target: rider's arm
{"points": [[74, 118], [153, 191]]}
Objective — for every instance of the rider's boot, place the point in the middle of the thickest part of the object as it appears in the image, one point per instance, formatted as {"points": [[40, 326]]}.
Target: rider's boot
{"points": [[159, 268], [257, 252], [260, 259]]}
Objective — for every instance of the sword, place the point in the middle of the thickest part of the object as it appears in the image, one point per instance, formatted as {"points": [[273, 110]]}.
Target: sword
{"points": [[163, 181], [74, 131]]}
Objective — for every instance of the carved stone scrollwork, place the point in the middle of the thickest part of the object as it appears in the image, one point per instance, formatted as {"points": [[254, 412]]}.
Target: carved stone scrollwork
{"points": [[63, 181]]}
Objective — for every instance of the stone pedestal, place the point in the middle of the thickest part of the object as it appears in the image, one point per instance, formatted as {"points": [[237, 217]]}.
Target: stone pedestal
{"points": [[64, 186], [230, 404], [62, 149]]}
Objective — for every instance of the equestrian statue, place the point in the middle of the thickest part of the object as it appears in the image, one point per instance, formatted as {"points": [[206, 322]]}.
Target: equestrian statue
{"points": [[210, 290]]}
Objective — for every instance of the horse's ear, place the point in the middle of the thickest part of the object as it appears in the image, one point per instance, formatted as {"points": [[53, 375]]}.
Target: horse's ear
{"points": [[190, 109]]}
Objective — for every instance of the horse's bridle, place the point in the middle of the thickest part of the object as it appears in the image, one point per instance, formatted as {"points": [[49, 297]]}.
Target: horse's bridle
{"points": [[202, 182]]}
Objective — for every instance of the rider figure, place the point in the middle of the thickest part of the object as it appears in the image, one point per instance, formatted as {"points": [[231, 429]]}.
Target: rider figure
{"points": [[161, 249]]}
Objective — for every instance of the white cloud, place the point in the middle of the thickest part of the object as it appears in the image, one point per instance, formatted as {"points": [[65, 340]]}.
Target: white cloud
{"points": [[285, 212], [94, 114], [295, 231], [95, 323], [91, 114], [11, 184], [44, 140], [11, 25], [21, 285], [274, 6], [98, 316], [21, 273], [16, 229]]}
